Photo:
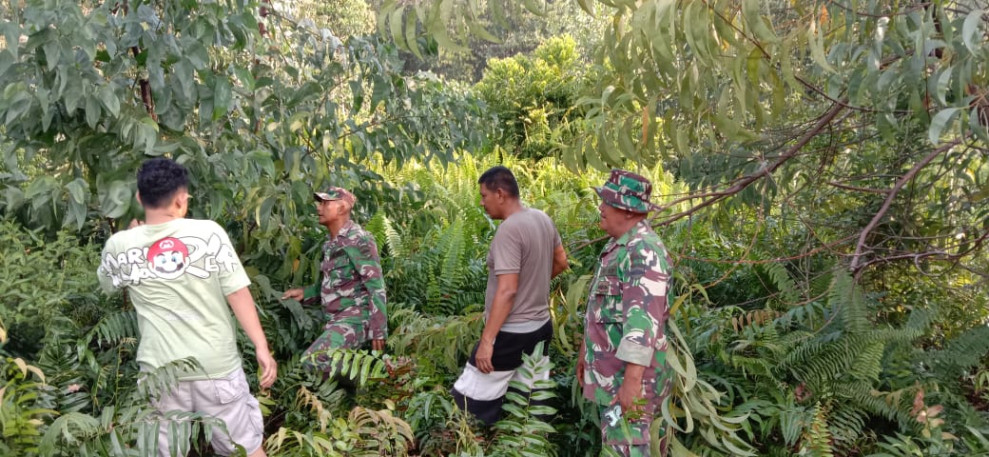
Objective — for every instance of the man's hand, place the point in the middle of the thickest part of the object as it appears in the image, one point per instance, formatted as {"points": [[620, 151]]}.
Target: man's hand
{"points": [[378, 345], [134, 223], [629, 394], [269, 368], [483, 356], [294, 294]]}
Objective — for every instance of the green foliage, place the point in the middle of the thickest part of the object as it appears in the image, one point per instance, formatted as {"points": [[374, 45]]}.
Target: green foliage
{"points": [[352, 364], [259, 120], [524, 432], [535, 97], [813, 137], [814, 379], [129, 422], [29, 309], [342, 18], [25, 406]]}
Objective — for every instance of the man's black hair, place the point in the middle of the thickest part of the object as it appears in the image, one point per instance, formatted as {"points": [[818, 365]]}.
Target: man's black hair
{"points": [[499, 177], [159, 179]]}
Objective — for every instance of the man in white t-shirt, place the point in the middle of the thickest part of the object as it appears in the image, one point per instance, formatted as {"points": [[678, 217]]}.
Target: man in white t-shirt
{"points": [[525, 254], [184, 277]]}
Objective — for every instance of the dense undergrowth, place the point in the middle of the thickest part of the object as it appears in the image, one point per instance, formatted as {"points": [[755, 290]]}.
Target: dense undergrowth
{"points": [[768, 362]]}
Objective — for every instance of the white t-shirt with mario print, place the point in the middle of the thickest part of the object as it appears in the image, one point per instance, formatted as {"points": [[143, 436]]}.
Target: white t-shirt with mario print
{"points": [[178, 275]]}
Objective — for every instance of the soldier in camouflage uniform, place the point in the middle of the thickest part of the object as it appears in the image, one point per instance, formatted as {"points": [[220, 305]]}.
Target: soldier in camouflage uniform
{"points": [[622, 366], [352, 290]]}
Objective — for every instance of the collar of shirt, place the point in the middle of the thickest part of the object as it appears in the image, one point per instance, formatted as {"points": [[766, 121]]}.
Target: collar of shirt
{"points": [[343, 235], [627, 236]]}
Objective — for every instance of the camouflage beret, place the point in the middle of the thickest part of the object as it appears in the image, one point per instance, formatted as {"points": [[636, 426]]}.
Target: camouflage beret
{"points": [[335, 193], [626, 190]]}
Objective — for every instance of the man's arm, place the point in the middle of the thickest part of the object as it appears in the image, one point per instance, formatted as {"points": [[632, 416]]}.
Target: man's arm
{"points": [[305, 296], [644, 302], [559, 261], [501, 307], [368, 265], [631, 388], [242, 304]]}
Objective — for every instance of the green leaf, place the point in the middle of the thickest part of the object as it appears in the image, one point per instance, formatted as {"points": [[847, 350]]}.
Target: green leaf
{"points": [[815, 40], [13, 197], [587, 6], [396, 22], [411, 29], [6, 61], [93, 111], [478, 30], [245, 77], [753, 18], [77, 190], [110, 100], [534, 7], [52, 52], [939, 122], [222, 95], [116, 199], [971, 34], [72, 91]]}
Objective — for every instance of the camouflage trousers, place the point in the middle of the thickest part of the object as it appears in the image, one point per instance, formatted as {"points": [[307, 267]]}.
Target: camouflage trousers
{"points": [[336, 335], [631, 438]]}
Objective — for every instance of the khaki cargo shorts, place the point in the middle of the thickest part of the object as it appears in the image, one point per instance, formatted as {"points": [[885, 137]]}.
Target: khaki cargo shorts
{"points": [[228, 399]]}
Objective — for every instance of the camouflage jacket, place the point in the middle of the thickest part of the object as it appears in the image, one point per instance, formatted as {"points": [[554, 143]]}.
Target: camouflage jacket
{"points": [[626, 316], [352, 289]]}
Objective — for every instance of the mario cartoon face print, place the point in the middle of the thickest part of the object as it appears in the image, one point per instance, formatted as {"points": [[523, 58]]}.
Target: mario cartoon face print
{"points": [[168, 257]]}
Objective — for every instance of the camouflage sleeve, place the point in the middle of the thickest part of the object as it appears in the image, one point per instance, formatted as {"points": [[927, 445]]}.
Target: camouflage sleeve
{"points": [[369, 268], [644, 301], [311, 292]]}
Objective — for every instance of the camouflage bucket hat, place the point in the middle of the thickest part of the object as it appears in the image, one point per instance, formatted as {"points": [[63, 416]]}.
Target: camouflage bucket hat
{"points": [[335, 193], [626, 190]]}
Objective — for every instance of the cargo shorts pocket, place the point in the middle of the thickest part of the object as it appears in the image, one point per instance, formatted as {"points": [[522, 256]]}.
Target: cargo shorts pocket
{"points": [[231, 388]]}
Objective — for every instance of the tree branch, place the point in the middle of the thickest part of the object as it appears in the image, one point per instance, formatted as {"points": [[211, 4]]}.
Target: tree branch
{"points": [[856, 265], [858, 189], [744, 182]]}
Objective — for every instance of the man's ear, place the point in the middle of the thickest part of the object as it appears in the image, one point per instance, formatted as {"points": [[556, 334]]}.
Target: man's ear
{"points": [[137, 195]]}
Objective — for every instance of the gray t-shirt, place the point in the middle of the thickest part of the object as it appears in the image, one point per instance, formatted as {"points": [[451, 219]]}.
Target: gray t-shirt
{"points": [[524, 243]]}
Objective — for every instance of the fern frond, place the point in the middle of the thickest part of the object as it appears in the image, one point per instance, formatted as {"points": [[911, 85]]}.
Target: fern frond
{"points": [[846, 425], [355, 364], [380, 432], [868, 362], [864, 397], [787, 287], [960, 353], [114, 329], [847, 300], [441, 341], [152, 384], [70, 429], [817, 437], [304, 398], [385, 235], [524, 427]]}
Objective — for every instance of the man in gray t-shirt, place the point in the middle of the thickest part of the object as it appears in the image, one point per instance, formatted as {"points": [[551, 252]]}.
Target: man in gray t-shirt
{"points": [[526, 253]]}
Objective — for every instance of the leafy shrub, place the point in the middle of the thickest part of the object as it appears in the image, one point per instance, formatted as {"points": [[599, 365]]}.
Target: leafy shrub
{"points": [[535, 97], [45, 283]]}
